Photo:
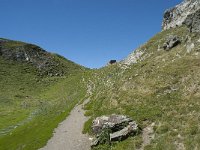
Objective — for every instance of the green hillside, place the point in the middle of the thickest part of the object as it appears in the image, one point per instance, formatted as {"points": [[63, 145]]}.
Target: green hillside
{"points": [[33, 101], [162, 89], [157, 87], [47, 64]]}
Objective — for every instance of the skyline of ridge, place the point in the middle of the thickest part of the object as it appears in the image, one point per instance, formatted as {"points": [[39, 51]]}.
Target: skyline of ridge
{"points": [[88, 33]]}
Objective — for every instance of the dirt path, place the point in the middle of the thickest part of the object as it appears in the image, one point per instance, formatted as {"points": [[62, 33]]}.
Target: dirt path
{"points": [[68, 135], [147, 136]]}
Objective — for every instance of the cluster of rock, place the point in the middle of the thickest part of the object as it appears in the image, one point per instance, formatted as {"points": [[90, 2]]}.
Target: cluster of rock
{"points": [[171, 42], [134, 57], [193, 21], [188, 13], [22, 52], [113, 128]]}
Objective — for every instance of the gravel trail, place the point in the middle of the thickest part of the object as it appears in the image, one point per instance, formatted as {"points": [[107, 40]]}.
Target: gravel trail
{"points": [[68, 135]]}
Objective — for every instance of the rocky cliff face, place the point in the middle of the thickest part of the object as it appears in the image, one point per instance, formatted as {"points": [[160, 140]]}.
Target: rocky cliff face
{"points": [[188, 12]]}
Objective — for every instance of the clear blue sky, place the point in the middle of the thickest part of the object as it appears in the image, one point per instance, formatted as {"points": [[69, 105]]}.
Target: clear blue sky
{"points": [[88, 32]]}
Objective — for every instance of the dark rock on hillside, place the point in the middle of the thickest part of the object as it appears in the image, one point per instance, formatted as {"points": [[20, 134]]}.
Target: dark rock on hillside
{"points": [[185, 13], [113, 128], [171, 42], [112, 62]]}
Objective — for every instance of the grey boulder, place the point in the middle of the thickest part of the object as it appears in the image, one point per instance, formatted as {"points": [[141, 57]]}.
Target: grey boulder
{"points": [[125, 132], [171, 42], [113, 128]]}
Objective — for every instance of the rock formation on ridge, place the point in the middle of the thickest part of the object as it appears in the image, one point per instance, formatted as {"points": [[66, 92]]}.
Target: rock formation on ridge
{"points": [[188, 12]]}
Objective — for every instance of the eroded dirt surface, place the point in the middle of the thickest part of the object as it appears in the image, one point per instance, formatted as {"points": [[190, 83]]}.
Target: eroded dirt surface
{"points": [[68, 135]]}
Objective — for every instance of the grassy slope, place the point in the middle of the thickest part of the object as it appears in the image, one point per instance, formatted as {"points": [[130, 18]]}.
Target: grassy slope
{"points": [[163, 89], [56, 63], [31, 106]]}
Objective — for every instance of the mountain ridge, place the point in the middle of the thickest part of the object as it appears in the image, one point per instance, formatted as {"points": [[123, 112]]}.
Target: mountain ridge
{"points": [[46, 63], [157, 87]]}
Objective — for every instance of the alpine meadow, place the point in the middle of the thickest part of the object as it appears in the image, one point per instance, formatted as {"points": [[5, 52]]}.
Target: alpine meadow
{"points": [[150, 100]]}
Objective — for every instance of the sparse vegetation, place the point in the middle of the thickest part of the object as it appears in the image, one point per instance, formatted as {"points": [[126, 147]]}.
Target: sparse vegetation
{"points": [[162, 89]]}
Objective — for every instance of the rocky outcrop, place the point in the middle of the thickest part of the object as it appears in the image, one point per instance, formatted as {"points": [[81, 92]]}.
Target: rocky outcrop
{"points": [[113, 128], [185, 13], [193, 21], [171, 42], [134, 57]]}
